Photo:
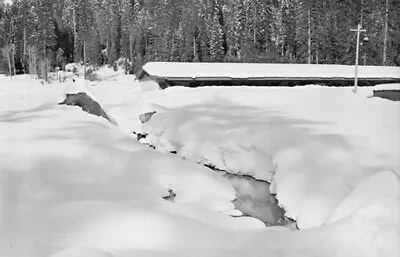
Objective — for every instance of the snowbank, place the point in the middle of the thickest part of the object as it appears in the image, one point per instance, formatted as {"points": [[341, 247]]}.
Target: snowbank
{"points": [[380, 189], [72, 184], [81, 252], [62, 168], [305, 140]]}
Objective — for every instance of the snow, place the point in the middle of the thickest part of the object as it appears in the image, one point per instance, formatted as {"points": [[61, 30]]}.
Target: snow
{"points": [[389, 86], [319, 142], [258, 70], [147, 84], [73, 184], [71, 66], [370, 191], [81, 252]]}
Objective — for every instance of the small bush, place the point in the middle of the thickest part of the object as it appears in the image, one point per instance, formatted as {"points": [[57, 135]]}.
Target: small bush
{"points": [[74, 70], [115, 66], [120, 62]]}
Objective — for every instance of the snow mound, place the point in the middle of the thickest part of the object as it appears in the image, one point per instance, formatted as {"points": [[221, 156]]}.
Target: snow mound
{"points": [[73, 184], [81, 252], [301, 139], [219, 144], [379, 197]]}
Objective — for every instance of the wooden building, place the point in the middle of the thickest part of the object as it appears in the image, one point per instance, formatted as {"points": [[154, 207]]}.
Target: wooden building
{"points": [[167, 74]]}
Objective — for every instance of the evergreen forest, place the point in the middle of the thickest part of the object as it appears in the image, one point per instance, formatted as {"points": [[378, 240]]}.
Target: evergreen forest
{"points": [[44, 34]]}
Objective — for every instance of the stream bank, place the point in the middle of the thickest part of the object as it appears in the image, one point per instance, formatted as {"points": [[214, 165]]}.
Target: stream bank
{"points": [[253, 196]]}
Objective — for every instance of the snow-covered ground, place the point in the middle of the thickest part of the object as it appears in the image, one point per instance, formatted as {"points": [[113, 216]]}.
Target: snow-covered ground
{"points": [[73, 184]]}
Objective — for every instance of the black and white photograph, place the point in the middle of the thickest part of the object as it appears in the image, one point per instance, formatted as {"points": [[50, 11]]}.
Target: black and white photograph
{"points": [[199, 128]]}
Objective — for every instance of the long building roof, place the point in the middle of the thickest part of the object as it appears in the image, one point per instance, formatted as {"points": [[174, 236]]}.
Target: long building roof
{"points": [[249, 71]]}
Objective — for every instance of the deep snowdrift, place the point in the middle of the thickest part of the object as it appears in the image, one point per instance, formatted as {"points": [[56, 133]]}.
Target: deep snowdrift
{"points": [[317, 142], [73, 184]]}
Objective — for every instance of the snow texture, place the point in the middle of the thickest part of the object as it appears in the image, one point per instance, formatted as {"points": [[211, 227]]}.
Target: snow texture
{"points": [[304, 140], [72, 184]]}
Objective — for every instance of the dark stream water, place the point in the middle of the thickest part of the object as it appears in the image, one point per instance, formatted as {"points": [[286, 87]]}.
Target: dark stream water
{"points": [[254, 199]]}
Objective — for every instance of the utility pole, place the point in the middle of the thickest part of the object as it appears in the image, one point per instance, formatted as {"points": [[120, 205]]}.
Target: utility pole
{"points": [[309, 37], [84, 58], [385, 37], [194, 48], [358, 30]]}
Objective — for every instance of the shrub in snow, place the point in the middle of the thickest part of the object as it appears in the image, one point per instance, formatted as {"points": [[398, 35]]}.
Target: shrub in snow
{"points": [[91, 75], [87, 104], [74, 68], [121, 62], [115, 66]]}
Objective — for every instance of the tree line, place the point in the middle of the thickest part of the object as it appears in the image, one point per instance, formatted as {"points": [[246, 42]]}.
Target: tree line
{"points": [[38, 35]]}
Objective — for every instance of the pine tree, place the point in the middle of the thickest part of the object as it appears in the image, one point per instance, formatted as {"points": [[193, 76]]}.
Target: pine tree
{"points": [[128, 11], [6, 53], [216, 41], [237, 28], [306, 31], [43, 36]]}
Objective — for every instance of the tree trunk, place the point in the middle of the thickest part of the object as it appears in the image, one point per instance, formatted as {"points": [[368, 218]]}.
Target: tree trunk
{"points": [[13, 57], [29, 64], [255, 26], [385, 37], [44, 61], [362, 12], [9, 66], [13, 61], [131, 47], [155, 48], [194, 48], [24, 52], [84, 59], [108, 51], [76, 48], [309, 37], [34, 63]]}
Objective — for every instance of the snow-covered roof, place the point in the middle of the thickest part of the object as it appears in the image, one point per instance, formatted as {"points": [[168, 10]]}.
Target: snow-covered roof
{"points": [[176, 70], [389, 86]]}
